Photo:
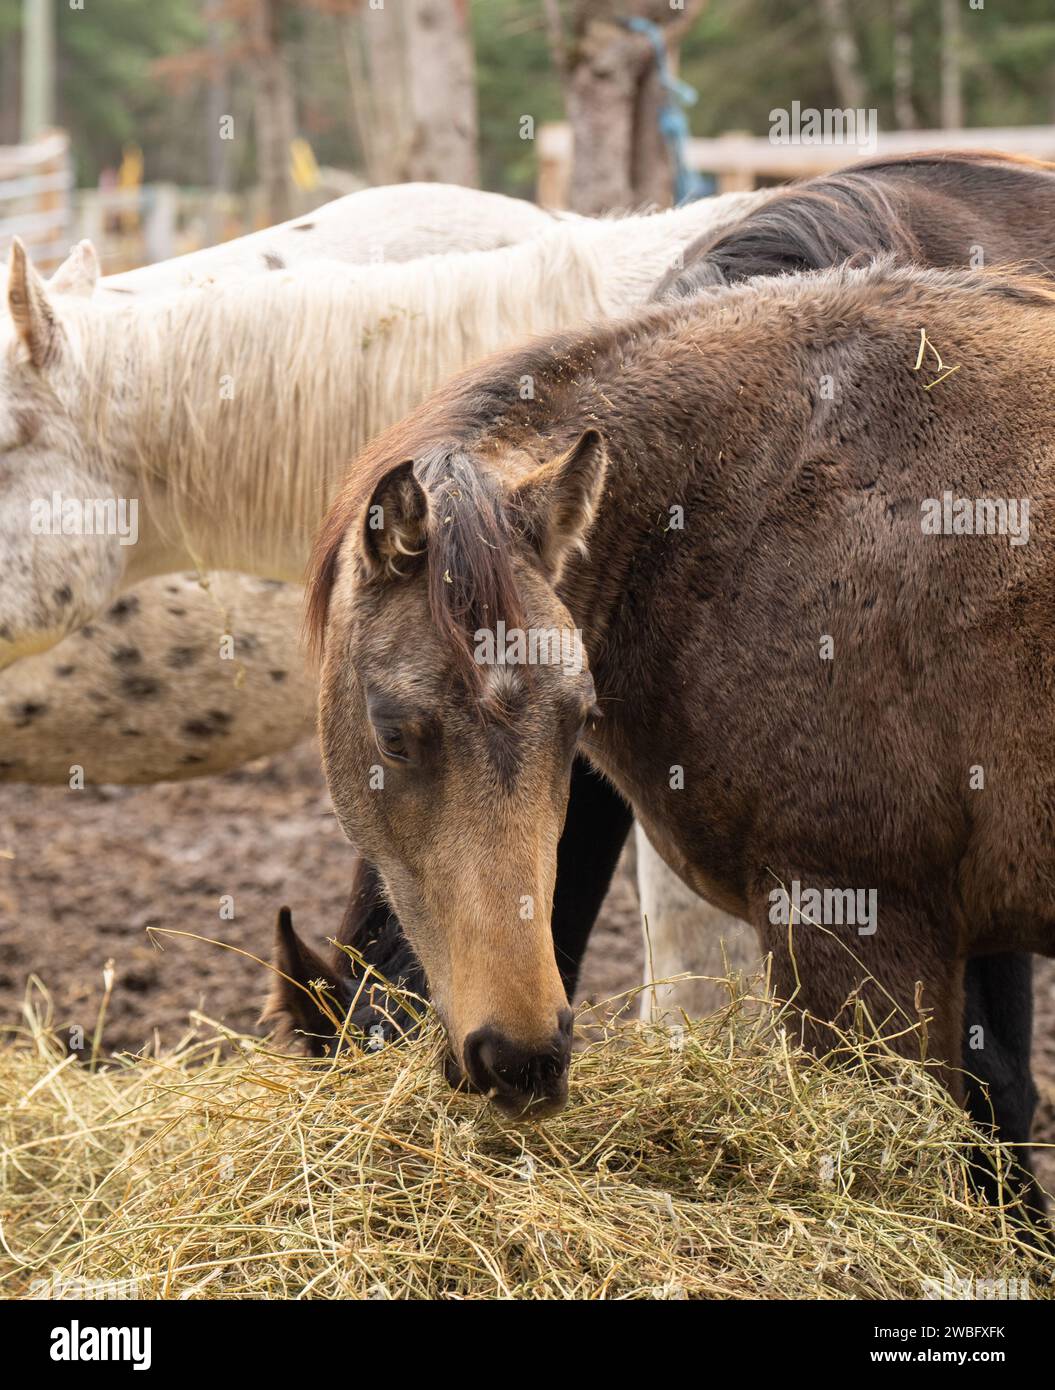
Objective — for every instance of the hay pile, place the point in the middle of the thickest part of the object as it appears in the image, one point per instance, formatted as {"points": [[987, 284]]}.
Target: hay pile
{"points": [[717, 1162]]}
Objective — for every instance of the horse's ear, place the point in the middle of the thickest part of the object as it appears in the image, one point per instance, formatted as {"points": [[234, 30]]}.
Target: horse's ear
{"points": [[553, 507], [79, 272], [395, 522], [292, 1006], [31, 311]]}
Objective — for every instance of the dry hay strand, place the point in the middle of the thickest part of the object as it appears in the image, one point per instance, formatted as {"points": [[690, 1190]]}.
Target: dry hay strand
{"points": [[717, 1160]]}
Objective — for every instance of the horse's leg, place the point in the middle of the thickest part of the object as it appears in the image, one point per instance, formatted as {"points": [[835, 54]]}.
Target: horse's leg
{"points": [[998, 1037], [686, 935], [595, 828], [992, 992], [820, 968]]}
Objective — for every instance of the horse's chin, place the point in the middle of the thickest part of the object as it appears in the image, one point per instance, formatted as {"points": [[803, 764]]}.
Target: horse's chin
{"points": [[520, 1111], [532, 1111]]}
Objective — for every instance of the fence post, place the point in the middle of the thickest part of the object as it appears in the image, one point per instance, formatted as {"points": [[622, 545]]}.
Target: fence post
{"points": [[160, 230]]}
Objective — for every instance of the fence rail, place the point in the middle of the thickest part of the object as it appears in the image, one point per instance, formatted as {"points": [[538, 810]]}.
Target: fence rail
{"points": [[36, 186], [739, 161], [129, 227]]}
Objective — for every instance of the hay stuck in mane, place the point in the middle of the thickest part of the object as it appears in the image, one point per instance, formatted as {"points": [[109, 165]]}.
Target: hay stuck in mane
{"points": [[715, 1162]]}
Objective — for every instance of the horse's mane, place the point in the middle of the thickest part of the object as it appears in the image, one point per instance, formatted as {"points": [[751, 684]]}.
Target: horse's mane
{"points": [[467, 555], [470, 579], [823, 222], [808, 229], [318, 360], [471, 584], [450, 437]]}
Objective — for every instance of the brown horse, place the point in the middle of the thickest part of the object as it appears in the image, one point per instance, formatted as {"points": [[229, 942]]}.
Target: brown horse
{"points": [[800, 684], [952, 209]]}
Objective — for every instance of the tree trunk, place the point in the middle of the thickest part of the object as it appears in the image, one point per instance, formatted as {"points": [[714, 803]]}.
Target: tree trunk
{"points": [[440, 56], [904, 107], [413, 91], [613, 96], [217, 105], [951, 69], [10, 90], [844, 56], [274, 118], [376, 60], [651, 171], [607, 68]]}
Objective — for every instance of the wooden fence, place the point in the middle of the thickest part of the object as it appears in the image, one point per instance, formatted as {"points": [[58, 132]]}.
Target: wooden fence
{"points": [[129, 227], [741, 162], [36, 183]]}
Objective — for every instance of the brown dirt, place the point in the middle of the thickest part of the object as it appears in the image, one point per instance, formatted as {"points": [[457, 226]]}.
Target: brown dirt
{"points": [[91, 870]]}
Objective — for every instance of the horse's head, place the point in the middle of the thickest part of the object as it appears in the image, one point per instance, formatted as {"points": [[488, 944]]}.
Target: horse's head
{"points": [[61, 528], [454, 692]]}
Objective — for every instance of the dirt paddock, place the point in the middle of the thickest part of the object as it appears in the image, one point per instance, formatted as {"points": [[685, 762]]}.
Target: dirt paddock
{"points": [[84, 874]]}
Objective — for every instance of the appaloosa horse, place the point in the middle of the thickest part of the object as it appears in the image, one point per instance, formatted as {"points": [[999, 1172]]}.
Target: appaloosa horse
{"points": [[803, 685], [127, 455], [142, 694]]}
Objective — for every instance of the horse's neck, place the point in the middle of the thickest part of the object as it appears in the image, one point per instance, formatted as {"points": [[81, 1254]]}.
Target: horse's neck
{"points": [[692, 482]]}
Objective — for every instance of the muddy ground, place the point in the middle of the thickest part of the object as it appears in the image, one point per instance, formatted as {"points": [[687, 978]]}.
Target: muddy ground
{"points": [[84, 874]]}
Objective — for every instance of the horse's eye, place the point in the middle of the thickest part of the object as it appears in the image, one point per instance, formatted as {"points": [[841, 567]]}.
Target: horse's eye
{"points": [[390, 742], [588, 718]]}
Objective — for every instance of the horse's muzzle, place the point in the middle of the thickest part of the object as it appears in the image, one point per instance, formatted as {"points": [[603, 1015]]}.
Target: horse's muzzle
{"points": [[525, 1083]]}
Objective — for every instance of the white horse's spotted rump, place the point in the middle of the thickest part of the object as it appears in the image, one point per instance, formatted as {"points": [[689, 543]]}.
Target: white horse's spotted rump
{"points": [[173, 681]]}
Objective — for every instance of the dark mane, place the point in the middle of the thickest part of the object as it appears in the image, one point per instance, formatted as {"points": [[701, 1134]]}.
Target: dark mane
{"points": [[473, 548], [467, 554], [470, 578], [952, 159], [870, 210], [839, 217]]}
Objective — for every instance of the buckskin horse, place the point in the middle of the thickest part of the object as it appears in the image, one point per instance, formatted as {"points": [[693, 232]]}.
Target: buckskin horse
{"points": [[800, 686], [231, 452], [950, 208]]}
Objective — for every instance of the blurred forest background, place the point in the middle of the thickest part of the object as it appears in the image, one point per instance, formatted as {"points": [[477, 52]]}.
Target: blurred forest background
{"points": [[323, 96], [143, 71]]}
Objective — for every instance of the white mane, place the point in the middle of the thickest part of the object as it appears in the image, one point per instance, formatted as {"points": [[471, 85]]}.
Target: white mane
{"points": [[237, 406]]}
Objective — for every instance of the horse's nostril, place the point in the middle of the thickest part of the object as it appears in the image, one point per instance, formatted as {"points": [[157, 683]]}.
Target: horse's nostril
{"points": [[518, 1077]]}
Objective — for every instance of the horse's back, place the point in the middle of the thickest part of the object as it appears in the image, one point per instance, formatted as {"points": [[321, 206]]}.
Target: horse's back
{"points": [[393, 223]]}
